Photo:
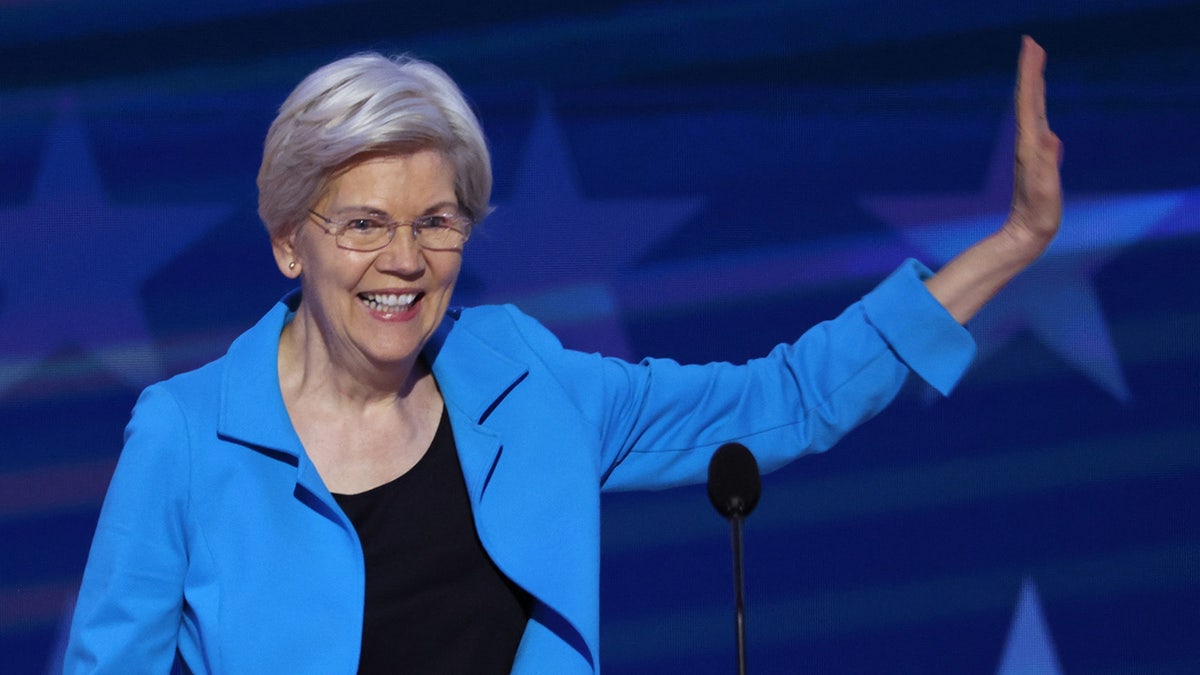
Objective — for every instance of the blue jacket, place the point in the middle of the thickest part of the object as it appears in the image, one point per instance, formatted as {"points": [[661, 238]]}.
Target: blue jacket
{"points": [[219, 540]]}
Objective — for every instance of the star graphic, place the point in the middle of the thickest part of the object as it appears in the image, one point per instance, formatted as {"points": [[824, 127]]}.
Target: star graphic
{"points": [[72, 264], [1029, 649], [1054, 299], [555, 253], [1184, 220]]}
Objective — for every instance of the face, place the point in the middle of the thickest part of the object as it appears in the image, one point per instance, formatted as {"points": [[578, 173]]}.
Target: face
{"points": [[376, 308]]}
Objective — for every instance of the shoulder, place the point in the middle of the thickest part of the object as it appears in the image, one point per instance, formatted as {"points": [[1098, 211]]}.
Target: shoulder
{"points": [[185, 393], [498, 345], [498, 316], [506, 328], [249, 360]]}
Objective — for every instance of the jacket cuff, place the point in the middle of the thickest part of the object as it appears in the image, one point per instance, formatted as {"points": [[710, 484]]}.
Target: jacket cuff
{"points": [[918, 329]]}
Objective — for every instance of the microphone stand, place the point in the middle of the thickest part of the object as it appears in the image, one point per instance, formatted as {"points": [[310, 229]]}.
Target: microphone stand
{"points": [[734, 488], [739, 593]]}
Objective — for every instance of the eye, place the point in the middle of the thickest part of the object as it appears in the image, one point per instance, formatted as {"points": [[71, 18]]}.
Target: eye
{"points": [[434, 222], [362, 225]]}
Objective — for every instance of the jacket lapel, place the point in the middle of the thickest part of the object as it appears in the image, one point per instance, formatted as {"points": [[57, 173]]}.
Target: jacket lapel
{"points": [[252, 411], [474, 378]]}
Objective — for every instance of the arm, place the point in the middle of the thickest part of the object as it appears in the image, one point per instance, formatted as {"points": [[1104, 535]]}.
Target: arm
{"points": [[802, 397], [128, 614], [852, 372], [970, 280]]}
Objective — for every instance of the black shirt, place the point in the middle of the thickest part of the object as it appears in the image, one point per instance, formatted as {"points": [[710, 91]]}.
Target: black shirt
{"points": [[435, 601]]}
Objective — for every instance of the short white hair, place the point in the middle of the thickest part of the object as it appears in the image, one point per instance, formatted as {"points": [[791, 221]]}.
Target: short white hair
{"points": [[362, 105]]}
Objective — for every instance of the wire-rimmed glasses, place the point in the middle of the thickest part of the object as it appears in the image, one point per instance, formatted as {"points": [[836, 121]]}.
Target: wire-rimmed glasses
{"points": [[437, 231]]}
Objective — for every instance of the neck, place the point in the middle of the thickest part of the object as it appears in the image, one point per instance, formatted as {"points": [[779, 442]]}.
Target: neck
{"points": [[310, 367]]}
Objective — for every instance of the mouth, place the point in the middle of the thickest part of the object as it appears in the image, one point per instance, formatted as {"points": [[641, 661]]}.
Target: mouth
{"points": [[390, 303]]}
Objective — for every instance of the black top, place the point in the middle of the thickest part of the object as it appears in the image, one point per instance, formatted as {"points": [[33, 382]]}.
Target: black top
{"points": [[435, 601]]}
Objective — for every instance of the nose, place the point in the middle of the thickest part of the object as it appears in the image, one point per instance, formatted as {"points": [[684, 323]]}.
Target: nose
{"points": [[403, 255]]}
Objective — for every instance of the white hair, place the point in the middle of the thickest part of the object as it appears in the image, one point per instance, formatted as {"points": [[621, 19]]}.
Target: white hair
{"points": [[361, 105]]}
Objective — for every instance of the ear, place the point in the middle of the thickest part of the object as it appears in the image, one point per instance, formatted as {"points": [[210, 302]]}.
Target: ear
{"points": [[287, 258]]}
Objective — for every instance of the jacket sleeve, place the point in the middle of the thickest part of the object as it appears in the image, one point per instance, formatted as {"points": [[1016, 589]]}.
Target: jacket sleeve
{"points": [[661, 421], [128, 614]]}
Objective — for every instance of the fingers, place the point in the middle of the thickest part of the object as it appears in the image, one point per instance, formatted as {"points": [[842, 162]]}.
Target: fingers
{"points": [[1033, 130], [1031, 86]]}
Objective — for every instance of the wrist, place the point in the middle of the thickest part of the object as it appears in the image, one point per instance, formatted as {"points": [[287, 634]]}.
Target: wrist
{"points": [[1020, 242]]}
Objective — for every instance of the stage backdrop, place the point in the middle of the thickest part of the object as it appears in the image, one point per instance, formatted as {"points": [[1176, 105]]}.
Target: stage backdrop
{"points": [[696, 180]]}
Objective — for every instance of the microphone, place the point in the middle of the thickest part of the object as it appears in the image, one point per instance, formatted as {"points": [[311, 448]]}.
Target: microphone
{"points": [[734, 487], [733, 482]]}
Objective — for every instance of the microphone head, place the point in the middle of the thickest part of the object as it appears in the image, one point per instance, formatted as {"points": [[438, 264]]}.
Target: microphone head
{"points": [[734, 485]]}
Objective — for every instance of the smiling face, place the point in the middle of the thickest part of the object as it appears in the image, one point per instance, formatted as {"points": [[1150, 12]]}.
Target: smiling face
{"points": [[375, 309]]}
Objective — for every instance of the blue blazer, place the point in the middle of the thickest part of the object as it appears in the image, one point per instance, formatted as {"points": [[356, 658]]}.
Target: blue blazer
{"points": [[219, 542]]}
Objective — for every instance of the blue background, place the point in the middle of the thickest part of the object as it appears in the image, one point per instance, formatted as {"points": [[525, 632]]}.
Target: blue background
{"points": [[698, 180]]}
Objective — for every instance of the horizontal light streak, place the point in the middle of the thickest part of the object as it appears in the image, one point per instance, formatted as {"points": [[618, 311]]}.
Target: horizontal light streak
{"points": [[43, 490], [669, 518]]}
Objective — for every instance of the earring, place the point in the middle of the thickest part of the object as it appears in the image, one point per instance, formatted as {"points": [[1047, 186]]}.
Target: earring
{"points": [[292, 265]]}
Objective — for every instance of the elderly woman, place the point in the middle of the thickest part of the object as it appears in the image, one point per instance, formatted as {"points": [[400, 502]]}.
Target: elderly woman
{"points": [[368, 481]]}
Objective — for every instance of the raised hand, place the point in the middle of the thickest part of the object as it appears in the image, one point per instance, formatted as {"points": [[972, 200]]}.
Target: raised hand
{"points": [[1037, 189], [968, 281]]}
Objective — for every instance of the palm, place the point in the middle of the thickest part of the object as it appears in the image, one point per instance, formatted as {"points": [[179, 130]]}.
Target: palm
{"points": [[1037, 189]]}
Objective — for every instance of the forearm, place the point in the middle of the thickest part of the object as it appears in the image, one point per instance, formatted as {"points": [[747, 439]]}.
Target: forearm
{"points": [[966, 283]]}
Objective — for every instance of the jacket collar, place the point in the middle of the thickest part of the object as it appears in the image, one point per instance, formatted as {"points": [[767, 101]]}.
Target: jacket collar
{"points": [[252, 409], [472, 375], [474, 378]]}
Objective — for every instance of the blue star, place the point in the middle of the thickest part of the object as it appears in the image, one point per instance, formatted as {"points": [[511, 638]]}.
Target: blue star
{"points": [[72, 265], [555, 252], [1054, 299], [1029, 649]]}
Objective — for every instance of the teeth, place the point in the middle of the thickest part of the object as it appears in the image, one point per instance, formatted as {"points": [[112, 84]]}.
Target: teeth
{"points": [[388, 302]]}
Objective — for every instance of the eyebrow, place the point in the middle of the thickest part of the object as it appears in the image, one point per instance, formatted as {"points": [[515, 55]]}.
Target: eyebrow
{"points": [[440, 207]]}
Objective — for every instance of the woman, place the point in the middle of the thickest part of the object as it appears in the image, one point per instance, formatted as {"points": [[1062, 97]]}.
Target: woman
{"points": [[369, 481]]}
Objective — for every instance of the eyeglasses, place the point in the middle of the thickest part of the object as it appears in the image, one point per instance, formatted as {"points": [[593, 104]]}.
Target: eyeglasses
{"points": [[440, 231]]}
